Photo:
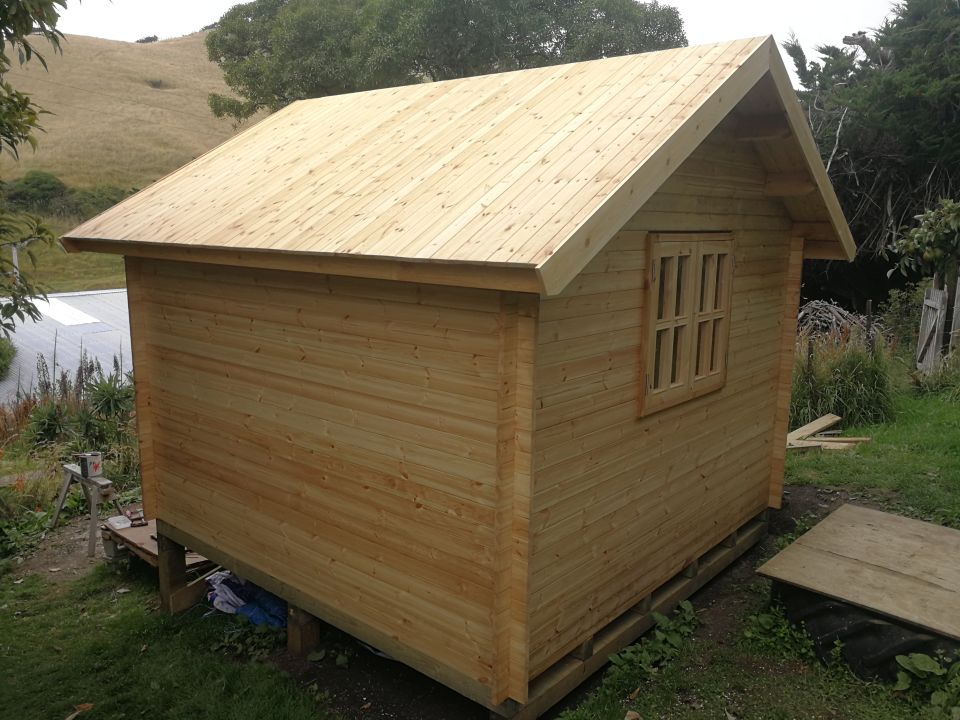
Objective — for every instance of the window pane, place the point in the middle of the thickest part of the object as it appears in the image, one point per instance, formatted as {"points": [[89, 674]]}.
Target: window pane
{"points": [[704, 336], [714, 350], [677, 350], [721, 288], [681, 279], [703, 284], [665, 267], [658, 347]]}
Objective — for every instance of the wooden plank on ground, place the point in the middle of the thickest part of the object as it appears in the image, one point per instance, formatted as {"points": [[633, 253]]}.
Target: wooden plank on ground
{"points": [[903, 568], [812, 428]]}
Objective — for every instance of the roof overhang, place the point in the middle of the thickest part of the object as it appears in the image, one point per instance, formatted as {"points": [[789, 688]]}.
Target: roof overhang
{"points": [[744, 74]]}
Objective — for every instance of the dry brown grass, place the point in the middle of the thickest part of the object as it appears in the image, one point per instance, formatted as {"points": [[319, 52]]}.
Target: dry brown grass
{"points": [[123, 114]]}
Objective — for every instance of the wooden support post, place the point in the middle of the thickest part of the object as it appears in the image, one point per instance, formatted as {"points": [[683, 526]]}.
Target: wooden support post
{"points": [[93, 497], [692, 570], [172, 564], [303, 631], [644, 606], [730, 541], [790, 302]]}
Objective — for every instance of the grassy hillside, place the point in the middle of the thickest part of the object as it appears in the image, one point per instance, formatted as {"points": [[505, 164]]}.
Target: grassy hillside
{"points": [[122, 113]]}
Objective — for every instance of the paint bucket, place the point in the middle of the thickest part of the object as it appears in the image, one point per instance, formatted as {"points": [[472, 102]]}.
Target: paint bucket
{"points": [[91, 464]]}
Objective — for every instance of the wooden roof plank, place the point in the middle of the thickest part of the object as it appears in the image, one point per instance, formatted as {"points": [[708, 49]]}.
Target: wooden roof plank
{"points": [[521, 144], [532, 171], [553, 143], [540, 200]]}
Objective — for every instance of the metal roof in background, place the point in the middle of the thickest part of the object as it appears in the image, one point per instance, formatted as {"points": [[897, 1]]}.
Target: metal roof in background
{"points": [[96, 321]]}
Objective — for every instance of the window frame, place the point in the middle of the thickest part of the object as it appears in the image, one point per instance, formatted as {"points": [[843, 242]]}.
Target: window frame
{"points": [[687, 258]]}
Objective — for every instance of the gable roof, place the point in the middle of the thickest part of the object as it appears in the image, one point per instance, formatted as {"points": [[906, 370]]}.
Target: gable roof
{"points": [[513, 180]]}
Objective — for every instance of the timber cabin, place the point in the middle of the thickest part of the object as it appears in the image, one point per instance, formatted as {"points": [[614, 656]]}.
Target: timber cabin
{"points": [[481, 371]]}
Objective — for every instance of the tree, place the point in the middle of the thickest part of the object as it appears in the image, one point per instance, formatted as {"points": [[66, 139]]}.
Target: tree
{"points": [[932, 249], [273, 52], [21, 22], [884, 109]]}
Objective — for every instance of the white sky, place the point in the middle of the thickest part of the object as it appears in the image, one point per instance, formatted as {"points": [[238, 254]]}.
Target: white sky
{"points": [[814, 21]]}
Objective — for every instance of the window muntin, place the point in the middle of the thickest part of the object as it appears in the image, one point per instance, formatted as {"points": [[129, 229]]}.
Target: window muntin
{"points": [[688, 318]]}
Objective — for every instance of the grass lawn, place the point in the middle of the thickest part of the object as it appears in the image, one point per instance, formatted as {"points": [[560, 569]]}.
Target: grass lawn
{"points": [[63, 646], [912, 465], [58, 271], [720, 680]]}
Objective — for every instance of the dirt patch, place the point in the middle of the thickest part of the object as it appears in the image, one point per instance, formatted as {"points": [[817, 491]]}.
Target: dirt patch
{"points": [[61, 556], [375, 688]]}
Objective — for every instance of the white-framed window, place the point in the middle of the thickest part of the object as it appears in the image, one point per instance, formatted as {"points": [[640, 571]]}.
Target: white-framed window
{"points": [[687, 323]]}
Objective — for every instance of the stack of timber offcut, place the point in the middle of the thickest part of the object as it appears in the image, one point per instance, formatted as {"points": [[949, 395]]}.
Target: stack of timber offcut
{"points": [[816, 435]]}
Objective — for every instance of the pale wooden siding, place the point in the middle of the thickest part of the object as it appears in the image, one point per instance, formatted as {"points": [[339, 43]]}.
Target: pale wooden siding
{"points": [[620, 503], [341, 435]]}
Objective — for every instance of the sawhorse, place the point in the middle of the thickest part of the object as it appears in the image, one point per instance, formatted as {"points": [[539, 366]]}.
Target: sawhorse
{"points": [[97, 490]]}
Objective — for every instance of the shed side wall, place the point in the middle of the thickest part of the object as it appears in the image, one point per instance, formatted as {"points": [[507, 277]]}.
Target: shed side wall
{"points": [[339, 435], [621, 504]]}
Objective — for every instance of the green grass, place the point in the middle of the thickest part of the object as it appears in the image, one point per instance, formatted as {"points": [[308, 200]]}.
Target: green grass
{"points": [[912, 464], [59, 271], [66, 645], [712, 679]]}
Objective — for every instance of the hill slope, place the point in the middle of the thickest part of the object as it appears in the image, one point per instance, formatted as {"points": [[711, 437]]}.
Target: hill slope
{"points": [[123, 114]]}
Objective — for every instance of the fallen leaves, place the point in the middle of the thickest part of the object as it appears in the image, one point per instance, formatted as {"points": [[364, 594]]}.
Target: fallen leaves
{"points": [[632, 715]]}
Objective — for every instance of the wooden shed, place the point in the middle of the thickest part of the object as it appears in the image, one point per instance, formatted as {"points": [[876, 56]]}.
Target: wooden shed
{"points": [[481, 371]]}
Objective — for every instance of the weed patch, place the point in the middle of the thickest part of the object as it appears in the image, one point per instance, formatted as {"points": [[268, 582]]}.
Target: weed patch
{"points": [[635, 665], [840, 373]]}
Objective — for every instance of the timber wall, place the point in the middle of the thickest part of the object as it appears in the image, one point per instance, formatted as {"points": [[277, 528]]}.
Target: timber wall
{"points": [[348, 437], [621, 504]]}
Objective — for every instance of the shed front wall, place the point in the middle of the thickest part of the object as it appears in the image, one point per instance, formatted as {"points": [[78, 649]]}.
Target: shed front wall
{"points": [[341, 436], [621, 503]]}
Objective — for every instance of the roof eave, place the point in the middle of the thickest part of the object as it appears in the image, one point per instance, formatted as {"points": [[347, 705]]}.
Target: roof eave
{"points": [[835, 243], [482, 275]]}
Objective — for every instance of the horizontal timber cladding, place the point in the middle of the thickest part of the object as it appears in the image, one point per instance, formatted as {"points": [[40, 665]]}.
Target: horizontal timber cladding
{"points": [[364, 442], [623, 503]]}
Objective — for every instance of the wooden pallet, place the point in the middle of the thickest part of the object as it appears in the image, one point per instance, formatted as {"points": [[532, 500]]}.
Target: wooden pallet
{"points": [[562, 678]]}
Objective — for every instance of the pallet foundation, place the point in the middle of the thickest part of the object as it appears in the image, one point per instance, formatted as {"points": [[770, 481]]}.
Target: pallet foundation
{"points": [[557, 682], [545, 690]]}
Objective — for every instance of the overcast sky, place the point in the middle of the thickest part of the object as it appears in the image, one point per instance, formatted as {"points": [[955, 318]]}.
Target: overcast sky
{"points": [[814, 21]]}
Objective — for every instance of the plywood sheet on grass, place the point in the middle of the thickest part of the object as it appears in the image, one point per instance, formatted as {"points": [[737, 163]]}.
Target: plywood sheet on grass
{"points": [[906, 569]]}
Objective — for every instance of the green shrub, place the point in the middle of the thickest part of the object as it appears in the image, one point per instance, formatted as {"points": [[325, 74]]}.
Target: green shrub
{"points": [[47, 423], [35, 190], [7, 352], [840, 374], [900, 316], [45, 193]]}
